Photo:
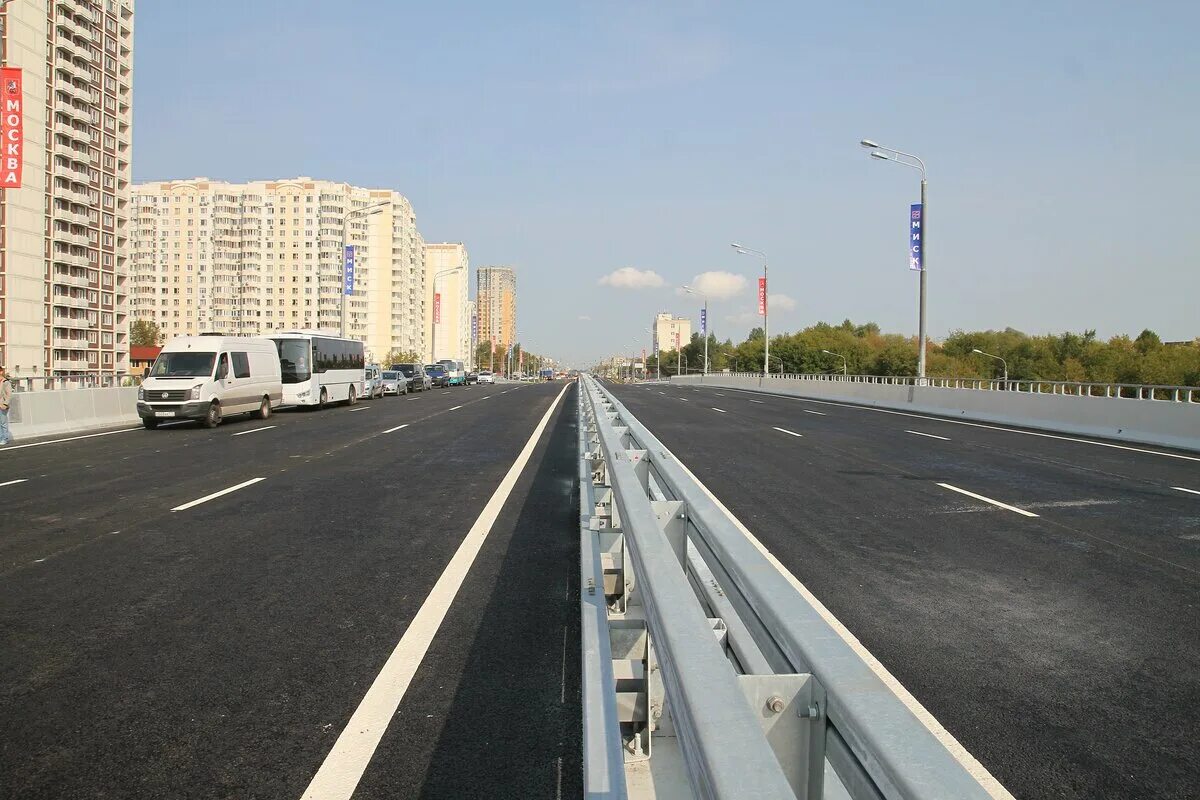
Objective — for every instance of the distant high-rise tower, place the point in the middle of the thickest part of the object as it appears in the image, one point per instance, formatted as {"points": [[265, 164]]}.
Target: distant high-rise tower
{"points": [[446, 283], [64, 234], [496, 300]]}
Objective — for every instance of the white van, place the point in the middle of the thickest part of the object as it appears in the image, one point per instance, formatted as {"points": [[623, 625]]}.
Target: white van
{"points": [[207, 377]]}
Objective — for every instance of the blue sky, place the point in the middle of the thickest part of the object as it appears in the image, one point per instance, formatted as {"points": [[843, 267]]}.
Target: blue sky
{"points": [[571, 140]]}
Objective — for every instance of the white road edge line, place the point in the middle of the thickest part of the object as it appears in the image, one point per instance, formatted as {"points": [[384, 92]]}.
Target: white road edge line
{"points": [[398, 427], [789, 433], [22, 480], [360, 408], [6, 448], [760, 402], [930, 435], [255, 430], [810, 411], [977, 425], [1176, 488], [215, 495], [971, 764], [339, 774], [723, 411], [996, 503]]}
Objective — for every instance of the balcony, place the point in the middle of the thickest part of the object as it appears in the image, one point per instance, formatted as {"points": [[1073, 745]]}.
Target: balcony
{"points": [[70, 363], [72, 217], [73, 343], [71, 195], [69, 301], [70, 279], [77, 239], [70, 259], [73, 323]]}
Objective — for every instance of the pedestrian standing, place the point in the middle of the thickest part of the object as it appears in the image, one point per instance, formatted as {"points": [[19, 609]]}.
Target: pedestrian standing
{"points": [[6, 392]]}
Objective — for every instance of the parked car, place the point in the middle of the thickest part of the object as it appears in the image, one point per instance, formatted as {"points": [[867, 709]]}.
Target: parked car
{"points": [[394, 382], [418, 379], [372, 382], [472, 377], [486, 377], [209, 377], [437, 375]]}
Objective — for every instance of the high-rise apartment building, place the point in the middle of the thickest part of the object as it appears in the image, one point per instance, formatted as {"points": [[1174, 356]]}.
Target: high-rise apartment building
{"points": [[65, 232], [496, 298], [447, 276], [252, 258], [671, 332]]}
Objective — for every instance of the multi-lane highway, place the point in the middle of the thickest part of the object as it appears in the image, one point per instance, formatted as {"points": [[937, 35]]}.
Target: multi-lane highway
{"points": [[1039, 595], [378, 600]]}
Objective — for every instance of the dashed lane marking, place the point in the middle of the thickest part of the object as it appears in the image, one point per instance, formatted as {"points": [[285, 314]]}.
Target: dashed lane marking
{"points": [[22, 480], [723, 411], [789, 433], [996, 503], [930, 435], [215, 495], [255, 430], [397, 428]]}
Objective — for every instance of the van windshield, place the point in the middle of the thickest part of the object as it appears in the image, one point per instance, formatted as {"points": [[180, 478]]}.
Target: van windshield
{"points": [[183, 365]]}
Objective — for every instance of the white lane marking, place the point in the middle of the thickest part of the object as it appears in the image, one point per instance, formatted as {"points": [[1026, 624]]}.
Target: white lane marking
{"points": [[719, 394], [22, 480], [789, 433], [662, 393], [215, 495], [8, 447], [485, 397], [1181, 489], [255, 430], [361, 408], [446, 392], [760, 402], [684, 399], [810, 411], [506, 391], [723, 411], [342, 769], [960, 753], [996, 503], [1060, 437], [397, 428], [930, 435], [456, 408]]}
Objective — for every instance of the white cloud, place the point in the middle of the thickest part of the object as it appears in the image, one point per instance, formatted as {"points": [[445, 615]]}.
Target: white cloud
{"points": [[632, 278], [717, 285], [780, 302], [584, 318]]}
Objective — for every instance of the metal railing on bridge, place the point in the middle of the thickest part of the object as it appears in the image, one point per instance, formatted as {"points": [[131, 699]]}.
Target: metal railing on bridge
{"points": [[704, 666], [61, 382], [1127, 391]]}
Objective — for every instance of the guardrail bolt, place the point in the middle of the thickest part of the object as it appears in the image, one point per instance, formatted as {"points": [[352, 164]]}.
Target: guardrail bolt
{"points": [[812, 712], [775, 704]]}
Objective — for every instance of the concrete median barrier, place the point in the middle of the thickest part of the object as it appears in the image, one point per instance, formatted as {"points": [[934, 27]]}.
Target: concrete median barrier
{"points": [[1157, 422], [35, 414]]}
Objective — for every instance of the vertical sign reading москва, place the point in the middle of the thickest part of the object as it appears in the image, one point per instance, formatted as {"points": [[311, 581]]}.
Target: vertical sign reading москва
{"points": [[12, 128]]}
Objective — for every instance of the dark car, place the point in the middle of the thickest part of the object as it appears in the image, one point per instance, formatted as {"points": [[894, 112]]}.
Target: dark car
{"points": [[437, 374], [415, 374], [472, 377]]}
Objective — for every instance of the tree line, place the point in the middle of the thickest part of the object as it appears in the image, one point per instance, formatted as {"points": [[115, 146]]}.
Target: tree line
{"points": [[868, 351]]}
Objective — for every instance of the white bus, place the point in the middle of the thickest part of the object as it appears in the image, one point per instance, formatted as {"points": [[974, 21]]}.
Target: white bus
{"points": [[318, 368]]}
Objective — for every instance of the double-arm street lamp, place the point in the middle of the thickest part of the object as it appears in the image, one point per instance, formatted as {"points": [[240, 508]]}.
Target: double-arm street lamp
{"points": [[365, 211], [839, 355], [882, 153], [657, 360], [690, 290], [998, 358], [750, 251], [436, 312]]}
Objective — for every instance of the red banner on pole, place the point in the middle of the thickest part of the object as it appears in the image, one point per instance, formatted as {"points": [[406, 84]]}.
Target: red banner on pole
{"points": [[762, 297], [437, 308], [12, 128]]}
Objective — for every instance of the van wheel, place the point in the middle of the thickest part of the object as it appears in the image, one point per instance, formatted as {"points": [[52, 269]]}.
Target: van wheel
{"points": [[264, 410], [352, 398], [213, 418], [324, 401], [149, 423]]}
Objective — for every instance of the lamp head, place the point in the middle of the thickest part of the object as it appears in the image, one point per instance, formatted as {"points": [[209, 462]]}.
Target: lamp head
{"points": [[868, 143], [880, 156], [977, 350]]}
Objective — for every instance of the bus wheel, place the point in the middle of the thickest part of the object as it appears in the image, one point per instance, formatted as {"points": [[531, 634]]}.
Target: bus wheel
{"points": [[213, 418], [352, 398], [264, 410], [324, 398]]}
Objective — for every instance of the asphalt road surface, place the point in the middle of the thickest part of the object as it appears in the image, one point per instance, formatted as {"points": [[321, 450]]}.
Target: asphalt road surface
{"points": [[203, 613], [1041, 597]]}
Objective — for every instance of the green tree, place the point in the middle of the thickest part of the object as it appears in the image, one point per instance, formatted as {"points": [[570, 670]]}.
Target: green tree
{"points": [[144, 333], [397, 356]]}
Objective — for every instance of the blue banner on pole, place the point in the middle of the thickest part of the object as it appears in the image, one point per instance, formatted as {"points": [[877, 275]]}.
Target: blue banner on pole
{"points": [[704, 322], [916, 253], [348, 271]]}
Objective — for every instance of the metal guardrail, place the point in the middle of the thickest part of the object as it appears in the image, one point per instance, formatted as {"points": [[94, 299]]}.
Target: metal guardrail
{"points": [[695, 641], [57, 383], [1127, 391]]}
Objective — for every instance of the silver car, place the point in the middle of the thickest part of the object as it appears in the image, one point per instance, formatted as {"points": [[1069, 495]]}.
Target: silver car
{"points": [[394, 382]]}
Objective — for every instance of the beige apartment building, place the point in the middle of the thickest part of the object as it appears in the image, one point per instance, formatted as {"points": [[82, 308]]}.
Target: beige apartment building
{"points": [[64, 233], [670, 331], [252, 258], [447, 274], [496, 298]]}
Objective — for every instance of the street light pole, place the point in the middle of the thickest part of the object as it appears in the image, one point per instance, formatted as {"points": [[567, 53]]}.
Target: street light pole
{"points": [[750, 251], [366, 211], [842, 357], [690, 290], [998, 358], [436, 311], [882, 153]]}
